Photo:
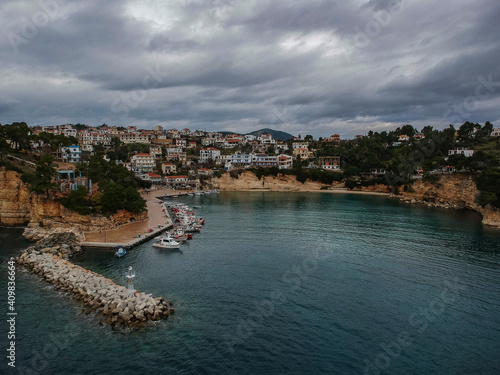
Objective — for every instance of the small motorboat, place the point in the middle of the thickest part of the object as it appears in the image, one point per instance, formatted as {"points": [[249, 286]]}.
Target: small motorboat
{"points": [[165, 242], [120, 251]]}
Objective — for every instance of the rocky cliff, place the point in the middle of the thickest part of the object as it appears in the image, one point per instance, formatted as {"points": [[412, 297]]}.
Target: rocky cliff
{"points": [[15, 201], [44, 216], [457, 191], [249, 181], [451, 191]]}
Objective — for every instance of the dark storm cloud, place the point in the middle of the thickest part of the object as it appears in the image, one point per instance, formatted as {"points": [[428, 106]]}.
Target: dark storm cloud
{"points": [[319, 66]]}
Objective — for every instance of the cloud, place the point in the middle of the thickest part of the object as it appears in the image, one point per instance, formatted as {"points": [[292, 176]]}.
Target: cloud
{"points": [[314, 67]]}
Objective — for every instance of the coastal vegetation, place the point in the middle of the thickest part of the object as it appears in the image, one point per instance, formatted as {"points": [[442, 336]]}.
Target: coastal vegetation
{"points": [[381, 158], [117, 189]]}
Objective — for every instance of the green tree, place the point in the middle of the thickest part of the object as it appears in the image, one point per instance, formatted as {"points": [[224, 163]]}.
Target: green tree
{"points": [[41, 180], [77, 200], [18, 135]]}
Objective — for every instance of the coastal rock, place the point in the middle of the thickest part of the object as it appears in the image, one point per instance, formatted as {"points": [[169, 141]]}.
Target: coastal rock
{"points": [[249, 181], [96, 293], [458, 191], [44, 216]]}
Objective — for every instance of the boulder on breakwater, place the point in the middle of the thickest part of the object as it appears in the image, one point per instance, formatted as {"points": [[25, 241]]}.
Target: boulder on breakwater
{"points": [[111, 302]]}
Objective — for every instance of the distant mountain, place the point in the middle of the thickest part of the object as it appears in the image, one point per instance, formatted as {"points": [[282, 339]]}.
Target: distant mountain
{"points": [[276, 134]]}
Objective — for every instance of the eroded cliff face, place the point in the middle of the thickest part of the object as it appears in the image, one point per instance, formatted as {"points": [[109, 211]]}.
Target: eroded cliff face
{"points": [[249, 181], [44, 216], [452, 191], [15, 201]]}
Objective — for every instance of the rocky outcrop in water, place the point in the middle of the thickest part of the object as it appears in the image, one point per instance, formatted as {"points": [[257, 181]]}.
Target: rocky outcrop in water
{"points": [[99, 295]]}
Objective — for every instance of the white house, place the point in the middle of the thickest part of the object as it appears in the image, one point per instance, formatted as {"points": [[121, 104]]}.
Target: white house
{"points": [[300, 144], [209, 154], [250, 137], [153, 177], [71, 154], [143, 163], [266, 139], [155, 151], [262, 160], [466, 153], [176, 180]]}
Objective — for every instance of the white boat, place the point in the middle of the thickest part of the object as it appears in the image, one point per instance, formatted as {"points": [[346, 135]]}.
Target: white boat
{"points": [[166, 243]]}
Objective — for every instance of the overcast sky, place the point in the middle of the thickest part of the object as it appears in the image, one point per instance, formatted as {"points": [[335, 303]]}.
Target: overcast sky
{"points": [[301, 66]]}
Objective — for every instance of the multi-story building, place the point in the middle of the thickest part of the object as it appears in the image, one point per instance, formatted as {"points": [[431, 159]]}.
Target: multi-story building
{"points": [[335, 138], [168, 168], [232, 143], [135, 137], [285, 161], [207, 141], [71, 154], [461, 151], [263, 160], [266, 139], [302, 152], [300, 144], [330, 162], [153, 177], [180, 142], [250, 137], [155, 151], [142, 163], [209, 154], [176, 180], [280, 146], [176, 153]]}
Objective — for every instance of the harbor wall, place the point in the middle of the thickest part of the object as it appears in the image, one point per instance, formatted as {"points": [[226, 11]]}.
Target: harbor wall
{"points": [[99, 295]]}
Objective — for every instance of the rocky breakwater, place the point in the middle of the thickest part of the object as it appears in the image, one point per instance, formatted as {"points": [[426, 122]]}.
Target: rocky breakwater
{"points": [[112, 303]]}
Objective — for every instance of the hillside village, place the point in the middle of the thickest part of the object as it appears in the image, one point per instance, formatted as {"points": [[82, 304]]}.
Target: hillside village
{"points": [[179, 158], [189, 159]]}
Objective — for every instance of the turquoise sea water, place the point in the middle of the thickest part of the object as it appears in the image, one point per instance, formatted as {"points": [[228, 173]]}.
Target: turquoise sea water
{"points": [[285, 283]]}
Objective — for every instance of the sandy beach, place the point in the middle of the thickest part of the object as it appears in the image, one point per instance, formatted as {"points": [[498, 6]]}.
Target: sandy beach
{"points": [[128, 232]]}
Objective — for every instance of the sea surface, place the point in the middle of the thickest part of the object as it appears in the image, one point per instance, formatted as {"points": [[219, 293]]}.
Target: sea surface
{"points": [[283, 283]]}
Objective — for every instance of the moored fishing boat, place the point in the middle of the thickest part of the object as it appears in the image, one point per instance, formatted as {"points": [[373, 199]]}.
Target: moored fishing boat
{"points": [[166, 242]]}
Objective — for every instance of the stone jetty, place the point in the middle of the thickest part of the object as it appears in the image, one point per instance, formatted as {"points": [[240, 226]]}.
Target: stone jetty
{"points": [[112, 303]]}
